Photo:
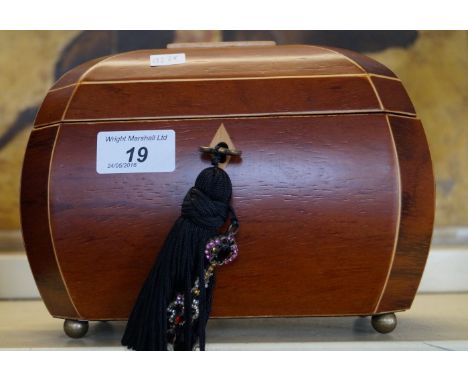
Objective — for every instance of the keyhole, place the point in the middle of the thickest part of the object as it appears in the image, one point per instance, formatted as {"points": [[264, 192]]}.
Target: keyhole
{"points": [[222, 157]]}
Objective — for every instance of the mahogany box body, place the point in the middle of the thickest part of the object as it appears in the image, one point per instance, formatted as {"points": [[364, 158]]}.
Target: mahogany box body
{"points": [[334, 189]]}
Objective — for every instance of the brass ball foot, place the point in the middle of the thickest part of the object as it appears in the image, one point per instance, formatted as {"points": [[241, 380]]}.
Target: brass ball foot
{"points": [[75, 328], [384, 323]]}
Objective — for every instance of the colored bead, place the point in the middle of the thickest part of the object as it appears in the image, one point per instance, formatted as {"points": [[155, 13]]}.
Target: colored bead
{"points": [[218, 251]]}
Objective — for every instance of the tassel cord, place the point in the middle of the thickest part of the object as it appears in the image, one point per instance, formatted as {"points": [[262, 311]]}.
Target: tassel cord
{"points": [[181, 260]]}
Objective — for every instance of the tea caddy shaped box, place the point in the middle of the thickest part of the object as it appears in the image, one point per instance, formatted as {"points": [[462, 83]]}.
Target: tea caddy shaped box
{"points": [[334, 188]]}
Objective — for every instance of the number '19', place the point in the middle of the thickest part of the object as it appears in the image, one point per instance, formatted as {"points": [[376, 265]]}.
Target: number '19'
{"points": [[142, 154]]}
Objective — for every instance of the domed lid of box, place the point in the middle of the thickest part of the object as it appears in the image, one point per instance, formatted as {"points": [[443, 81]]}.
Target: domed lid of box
{"points": [[217, 81]]}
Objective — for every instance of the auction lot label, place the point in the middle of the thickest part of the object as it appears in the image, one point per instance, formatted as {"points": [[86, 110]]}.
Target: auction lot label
{"points": [[123, 152]]}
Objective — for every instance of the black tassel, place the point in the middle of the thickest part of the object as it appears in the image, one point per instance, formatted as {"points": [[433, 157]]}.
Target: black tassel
{"points": [[175, 301]]}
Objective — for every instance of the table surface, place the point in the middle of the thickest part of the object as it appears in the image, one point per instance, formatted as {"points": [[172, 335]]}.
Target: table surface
{"points": [[435, 322]]}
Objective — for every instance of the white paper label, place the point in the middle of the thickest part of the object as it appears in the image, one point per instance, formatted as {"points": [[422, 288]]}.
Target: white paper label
{"points": [[167, 59], [135, 151]]}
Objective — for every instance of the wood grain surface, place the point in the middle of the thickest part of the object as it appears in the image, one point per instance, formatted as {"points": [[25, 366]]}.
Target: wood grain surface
{"points": [[237, 81], [35, 223], [142, 100], [245, 62], [393, 95], [368, 64], [53, 106], [311, 192], [417, 213]]}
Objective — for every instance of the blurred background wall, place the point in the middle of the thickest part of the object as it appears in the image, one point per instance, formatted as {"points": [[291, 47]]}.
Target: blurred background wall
{"points": [[431, 64]]}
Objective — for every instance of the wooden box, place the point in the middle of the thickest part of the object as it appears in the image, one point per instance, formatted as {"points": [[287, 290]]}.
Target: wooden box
{"points": [[334, 189]]}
